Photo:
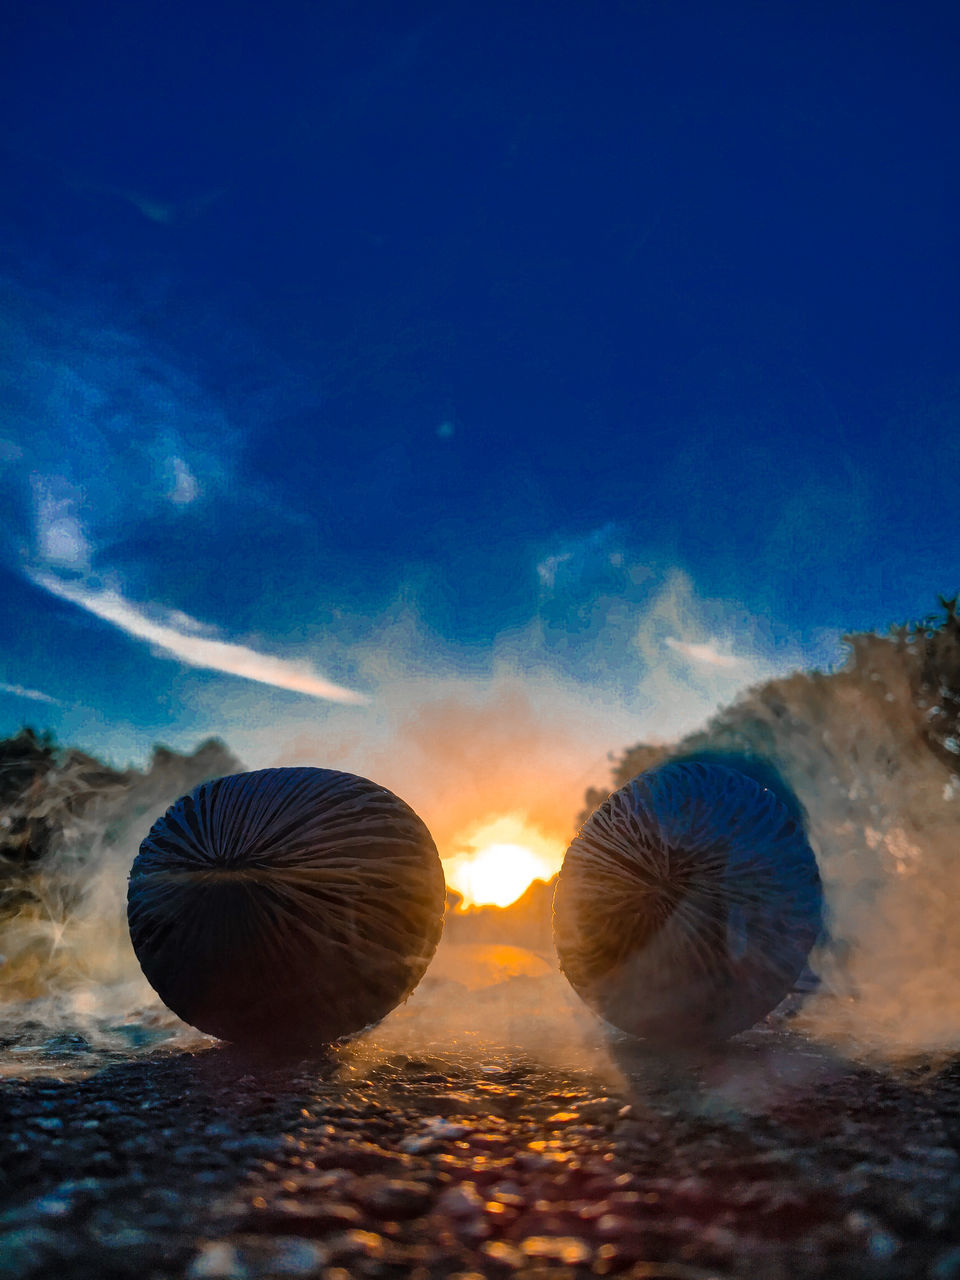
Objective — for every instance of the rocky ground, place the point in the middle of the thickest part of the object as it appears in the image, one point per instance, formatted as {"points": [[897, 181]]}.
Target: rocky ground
{"points": [[774, 1159]]}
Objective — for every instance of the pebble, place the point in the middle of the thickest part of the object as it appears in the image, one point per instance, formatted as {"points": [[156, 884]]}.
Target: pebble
{"points": [[450, 1104], [463, 1201], [566, 1249], [295, 1257], [296, 1217], [394, 1197], [350, 1244], [52, 1206], [500, 1251], [947, 1265], [218, 1260], [29, 1250]]}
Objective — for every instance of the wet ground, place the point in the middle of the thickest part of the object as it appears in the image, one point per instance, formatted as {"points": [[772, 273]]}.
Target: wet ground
{"points": [[773, 1159]]}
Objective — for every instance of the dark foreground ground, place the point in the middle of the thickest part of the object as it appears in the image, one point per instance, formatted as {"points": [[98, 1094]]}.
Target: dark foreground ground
{"points": [[773, 1160]]}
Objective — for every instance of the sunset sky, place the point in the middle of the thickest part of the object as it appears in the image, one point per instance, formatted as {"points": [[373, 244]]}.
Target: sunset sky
{"points": [[457, 392]]}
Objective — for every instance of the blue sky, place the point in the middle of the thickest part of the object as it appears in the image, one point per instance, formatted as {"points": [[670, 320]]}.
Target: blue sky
{"points": [[398, 356]]}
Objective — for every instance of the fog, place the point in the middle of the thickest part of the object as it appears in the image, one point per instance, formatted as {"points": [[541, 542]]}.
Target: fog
{"points": [[522, 739]]}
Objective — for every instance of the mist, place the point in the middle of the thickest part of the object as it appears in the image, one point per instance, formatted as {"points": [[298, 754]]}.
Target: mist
{"points": [[523, 739], [466, 743]]}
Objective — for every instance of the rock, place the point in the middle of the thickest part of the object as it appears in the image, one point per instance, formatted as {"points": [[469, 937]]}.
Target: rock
{"points": [[394, 1197], [33, 1251], [218, 1260], [295, 1257], [568, 1250], [946, 1266], [298, 1217]]}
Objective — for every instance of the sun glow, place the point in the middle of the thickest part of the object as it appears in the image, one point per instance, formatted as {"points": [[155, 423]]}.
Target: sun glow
{"points": [[501, 860]]}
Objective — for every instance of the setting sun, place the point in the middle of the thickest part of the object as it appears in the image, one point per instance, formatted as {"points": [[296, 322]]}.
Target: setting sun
{"points": [[503, 858], [501, 872]]}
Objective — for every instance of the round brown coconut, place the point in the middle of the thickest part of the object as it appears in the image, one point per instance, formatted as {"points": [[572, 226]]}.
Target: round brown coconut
{"points": [[286, 905]]}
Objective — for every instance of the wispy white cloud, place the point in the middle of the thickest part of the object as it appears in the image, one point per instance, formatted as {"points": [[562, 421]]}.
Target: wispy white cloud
{"points": [[547, 568], [705, 652], [35, 695], [60, 537], [105, 431], [182, 637], [185, 488]]}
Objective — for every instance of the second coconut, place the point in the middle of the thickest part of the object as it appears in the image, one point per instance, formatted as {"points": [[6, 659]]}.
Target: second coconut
{"points": [[687, 904]]}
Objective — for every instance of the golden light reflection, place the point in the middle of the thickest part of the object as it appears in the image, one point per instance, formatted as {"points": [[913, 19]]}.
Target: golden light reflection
{"points": [[482, 965], [501, 859]]}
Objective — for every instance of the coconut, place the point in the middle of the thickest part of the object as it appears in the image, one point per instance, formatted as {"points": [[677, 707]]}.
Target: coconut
{"points": [[290, 905], [688, 904]]}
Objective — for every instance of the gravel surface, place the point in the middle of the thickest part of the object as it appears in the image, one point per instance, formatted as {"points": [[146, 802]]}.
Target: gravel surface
{"points": [[773, 1159]]}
